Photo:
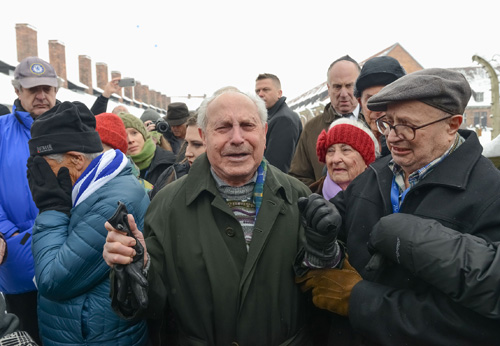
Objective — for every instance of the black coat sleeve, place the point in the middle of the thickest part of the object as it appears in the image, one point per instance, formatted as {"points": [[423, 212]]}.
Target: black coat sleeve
{"points": [[464, 267], [392, 316], [100, 105]]}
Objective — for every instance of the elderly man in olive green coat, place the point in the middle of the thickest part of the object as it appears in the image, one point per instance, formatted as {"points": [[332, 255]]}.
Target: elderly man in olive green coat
{"points": [[221, 241]]}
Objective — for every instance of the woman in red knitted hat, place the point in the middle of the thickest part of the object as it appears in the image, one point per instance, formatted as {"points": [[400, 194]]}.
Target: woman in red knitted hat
{"points": [[347, 149]]}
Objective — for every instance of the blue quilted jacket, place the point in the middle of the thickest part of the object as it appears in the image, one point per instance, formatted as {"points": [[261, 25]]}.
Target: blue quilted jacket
{"points": [[74, 307], [17, 209]]}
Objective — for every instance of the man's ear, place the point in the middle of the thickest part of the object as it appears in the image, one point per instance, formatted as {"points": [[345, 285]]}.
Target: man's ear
{"points": [[77, 160], [17, 92], [455, 122]]}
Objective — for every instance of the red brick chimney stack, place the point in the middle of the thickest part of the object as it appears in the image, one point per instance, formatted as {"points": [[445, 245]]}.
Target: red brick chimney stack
{"points": [[117, 74], [101, 71], [145, 95], [57, 58], [138, 91], [128, 92], [85, 69], [26, 41]]}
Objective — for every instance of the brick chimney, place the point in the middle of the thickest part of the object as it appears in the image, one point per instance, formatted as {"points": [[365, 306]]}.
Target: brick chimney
{"points": [[138, 91], [101, 71], [85, 69], [128, 91], [158, 99], [152, 97], [57, 58], [26, 39], [166, 101], [145, 94], [117, 74]]}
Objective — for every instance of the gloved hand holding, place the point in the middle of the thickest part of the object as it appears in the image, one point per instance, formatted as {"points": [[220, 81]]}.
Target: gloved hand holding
{"points": [[321, 221], [331, 288], [130, 280], [50, 192]]}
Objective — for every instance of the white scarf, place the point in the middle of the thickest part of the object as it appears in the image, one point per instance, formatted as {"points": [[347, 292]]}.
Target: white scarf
{"points": [[101, 170]]}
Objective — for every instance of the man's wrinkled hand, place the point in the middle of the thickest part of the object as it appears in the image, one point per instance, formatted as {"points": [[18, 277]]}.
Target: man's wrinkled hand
{"points": [[321, 221], [331, 288], [119, 248]]}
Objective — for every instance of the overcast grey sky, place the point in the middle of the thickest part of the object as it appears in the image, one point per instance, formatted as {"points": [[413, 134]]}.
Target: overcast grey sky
{"points": [[181, 47]]}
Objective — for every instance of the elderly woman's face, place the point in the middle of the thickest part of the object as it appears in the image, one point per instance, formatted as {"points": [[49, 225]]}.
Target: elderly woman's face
{"points": [[344, 163]]}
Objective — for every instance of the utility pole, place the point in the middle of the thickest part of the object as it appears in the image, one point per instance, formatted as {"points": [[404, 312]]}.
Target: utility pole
{"points": [[495, 110]]}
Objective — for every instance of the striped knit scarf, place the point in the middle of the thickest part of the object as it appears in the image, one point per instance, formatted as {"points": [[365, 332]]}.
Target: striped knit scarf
{"points": [[101, 170], [258, 191]]}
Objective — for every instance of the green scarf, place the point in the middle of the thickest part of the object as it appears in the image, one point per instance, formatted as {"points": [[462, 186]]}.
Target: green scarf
{"points": [[144, 158]]}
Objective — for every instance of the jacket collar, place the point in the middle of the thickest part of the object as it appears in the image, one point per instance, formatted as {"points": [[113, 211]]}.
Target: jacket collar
{"points": [[161, 157], [21, 115], [200, 180], [454, 170], [274, 109]]}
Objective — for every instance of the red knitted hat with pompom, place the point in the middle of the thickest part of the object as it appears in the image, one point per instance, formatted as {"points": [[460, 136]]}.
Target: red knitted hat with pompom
{"points": [[347, 134], [112, 131]]}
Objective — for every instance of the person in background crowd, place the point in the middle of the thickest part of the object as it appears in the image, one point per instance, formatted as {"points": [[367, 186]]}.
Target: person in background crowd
{"points": [[341, 77], [151, 159], [119, 109], [149, 117], [195, 147], [435, 177], [4, 110], [376, 73], [347, 149], [36, 85], [114, 136], [220, 241], [177, 114], [76, 188], [101, 103], [283, 125]]}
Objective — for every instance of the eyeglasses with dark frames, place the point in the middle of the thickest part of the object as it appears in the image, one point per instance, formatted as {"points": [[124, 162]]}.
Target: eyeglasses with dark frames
{"points": [[402, 131]]}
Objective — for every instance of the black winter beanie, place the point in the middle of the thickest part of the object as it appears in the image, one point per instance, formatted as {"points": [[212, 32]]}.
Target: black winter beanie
{"points": [[69, 126]]}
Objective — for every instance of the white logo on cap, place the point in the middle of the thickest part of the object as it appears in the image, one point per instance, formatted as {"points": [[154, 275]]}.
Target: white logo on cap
{"points": [[37, 69], [44, 148]]}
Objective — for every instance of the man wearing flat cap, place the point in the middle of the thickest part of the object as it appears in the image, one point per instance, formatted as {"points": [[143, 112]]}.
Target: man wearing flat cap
{"points": [[433, 186], [76, 187], [35, 83]]}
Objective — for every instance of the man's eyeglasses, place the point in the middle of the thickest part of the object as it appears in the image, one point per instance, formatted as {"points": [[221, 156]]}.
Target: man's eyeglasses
{"points": [[402, 131]]}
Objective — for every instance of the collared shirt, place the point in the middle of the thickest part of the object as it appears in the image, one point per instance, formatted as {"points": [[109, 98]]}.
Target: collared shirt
{"points": [[420, 174]]}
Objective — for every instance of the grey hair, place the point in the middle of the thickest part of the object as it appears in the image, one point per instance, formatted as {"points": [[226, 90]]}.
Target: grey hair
{"points": [[17, 84], [361, 126], [60, 156], [202, 111]]}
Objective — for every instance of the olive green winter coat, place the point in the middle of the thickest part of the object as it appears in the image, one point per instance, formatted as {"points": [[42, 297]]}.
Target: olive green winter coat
{"points": [[219, 292]]}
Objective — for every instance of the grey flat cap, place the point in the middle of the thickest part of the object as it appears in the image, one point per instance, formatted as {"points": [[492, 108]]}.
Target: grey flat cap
{"points": [[440, 88]]}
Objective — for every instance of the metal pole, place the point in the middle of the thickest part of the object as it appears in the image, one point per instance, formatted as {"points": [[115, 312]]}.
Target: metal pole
{"points": [[495, 109]]}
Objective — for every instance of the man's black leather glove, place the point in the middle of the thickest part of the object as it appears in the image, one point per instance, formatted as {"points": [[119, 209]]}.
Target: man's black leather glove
{"points": [[321, 221], [130, 280], [50, 192]]}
